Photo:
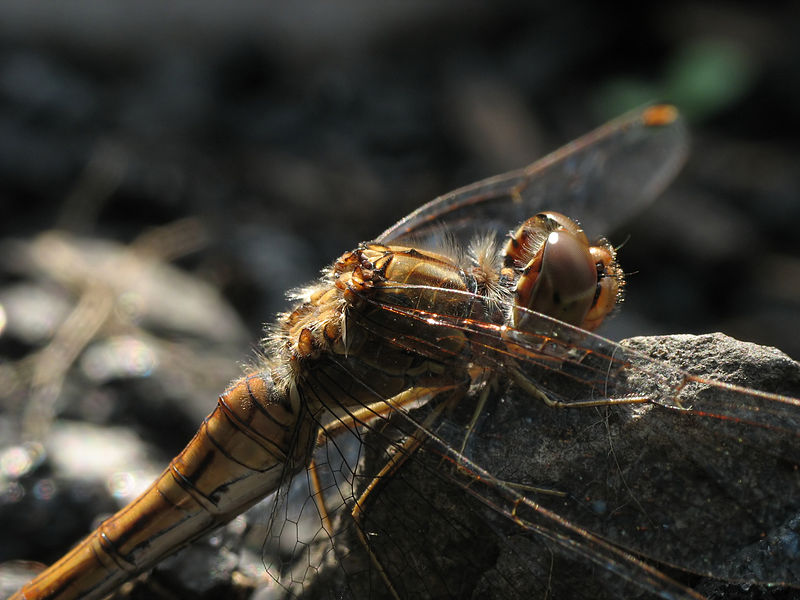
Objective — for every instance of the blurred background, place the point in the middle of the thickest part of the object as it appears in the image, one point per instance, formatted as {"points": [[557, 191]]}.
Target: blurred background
{"points": [[167, 173]]}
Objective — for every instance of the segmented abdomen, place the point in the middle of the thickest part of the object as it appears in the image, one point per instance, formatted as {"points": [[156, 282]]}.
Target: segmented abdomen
{"points": [[239, 455]]}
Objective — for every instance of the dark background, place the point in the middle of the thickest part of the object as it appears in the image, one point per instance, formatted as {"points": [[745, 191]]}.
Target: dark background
{"points": [[289, 135], [295, 134]]}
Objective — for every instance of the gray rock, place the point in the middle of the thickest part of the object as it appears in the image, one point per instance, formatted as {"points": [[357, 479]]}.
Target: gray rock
{"points": [[704, 486]]}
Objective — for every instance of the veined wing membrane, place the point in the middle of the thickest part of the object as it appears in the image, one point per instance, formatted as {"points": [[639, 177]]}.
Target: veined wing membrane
{"points": [[600, 179], [698, 475]]}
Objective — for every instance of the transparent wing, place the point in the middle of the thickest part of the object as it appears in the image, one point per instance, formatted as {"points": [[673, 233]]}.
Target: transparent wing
{"points": [[295, 539], [662, 464], [600, 179]]}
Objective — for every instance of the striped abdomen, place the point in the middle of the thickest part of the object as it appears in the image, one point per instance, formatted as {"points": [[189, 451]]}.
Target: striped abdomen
{"points": [[239, 455]]}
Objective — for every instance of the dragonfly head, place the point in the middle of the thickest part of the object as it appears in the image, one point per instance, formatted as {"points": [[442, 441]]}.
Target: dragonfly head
{"points": [[558, 273]]}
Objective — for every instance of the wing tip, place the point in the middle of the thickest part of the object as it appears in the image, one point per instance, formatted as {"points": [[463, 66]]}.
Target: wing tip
{"points": [[660, 115]]}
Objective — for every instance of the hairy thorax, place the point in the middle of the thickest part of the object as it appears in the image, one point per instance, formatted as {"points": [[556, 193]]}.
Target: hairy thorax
{"points": [[370, 327]]}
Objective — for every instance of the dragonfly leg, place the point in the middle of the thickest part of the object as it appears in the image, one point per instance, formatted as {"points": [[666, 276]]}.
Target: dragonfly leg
{"points": [[364, 416], [481, 404], [405, 451], [482, 399], [382, 409], [531, 388], [319, 500], [534, 390]]}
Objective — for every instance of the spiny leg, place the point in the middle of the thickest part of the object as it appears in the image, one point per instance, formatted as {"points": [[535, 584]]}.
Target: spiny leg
{"points": [[529, 386], [384, 409], [534, 390], [404, 452], [379, 410], [481, 404]]}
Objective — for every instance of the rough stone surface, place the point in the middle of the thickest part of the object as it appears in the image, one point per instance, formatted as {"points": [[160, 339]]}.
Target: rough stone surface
{"points": [[696, 495]]}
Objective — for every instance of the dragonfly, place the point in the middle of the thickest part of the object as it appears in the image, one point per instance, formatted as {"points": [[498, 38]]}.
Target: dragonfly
{"points": [[404, 347]]}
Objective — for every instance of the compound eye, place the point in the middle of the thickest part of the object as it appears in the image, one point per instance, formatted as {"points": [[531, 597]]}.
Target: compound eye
{"points": [[555, 221], [560, 281], [606, 298], [609, 284]]}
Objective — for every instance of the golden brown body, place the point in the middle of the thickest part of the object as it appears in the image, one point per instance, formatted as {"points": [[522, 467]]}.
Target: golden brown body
{"points": [[264, 426], [202, 488], [383, 321]]}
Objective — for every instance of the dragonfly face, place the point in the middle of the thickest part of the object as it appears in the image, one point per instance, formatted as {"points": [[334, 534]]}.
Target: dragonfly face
{"points": [[405, 345], [560, 274]]}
